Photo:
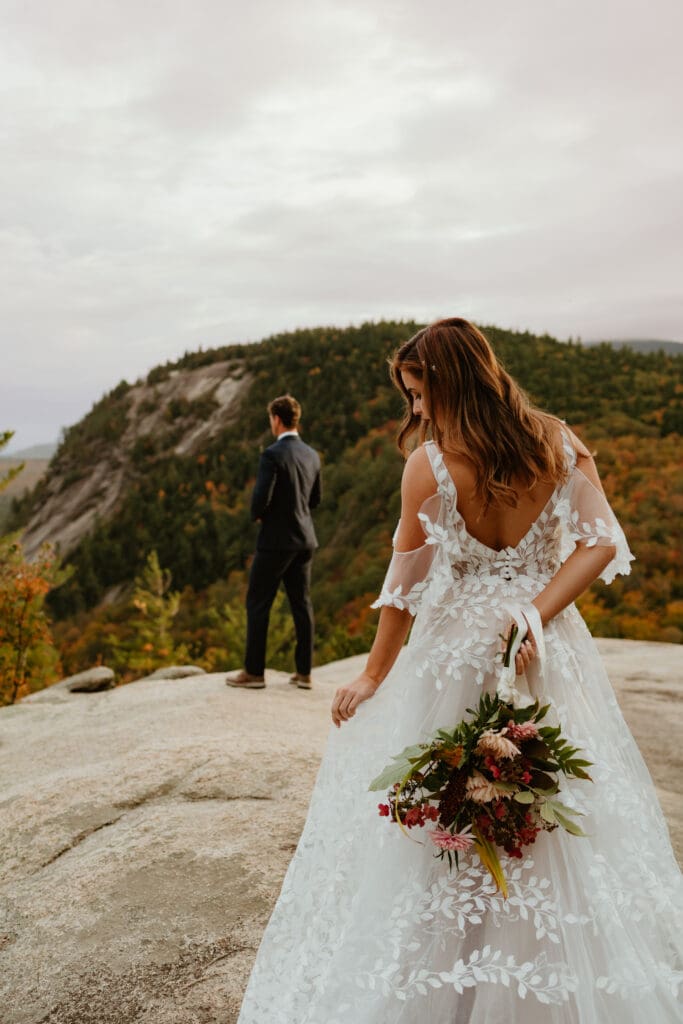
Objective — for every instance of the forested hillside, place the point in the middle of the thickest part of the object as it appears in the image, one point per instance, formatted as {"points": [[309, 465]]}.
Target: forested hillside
{"points": [[192, 508]]}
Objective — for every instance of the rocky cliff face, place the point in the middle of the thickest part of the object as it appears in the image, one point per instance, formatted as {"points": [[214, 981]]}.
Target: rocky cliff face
{"points": [[177, 414]]}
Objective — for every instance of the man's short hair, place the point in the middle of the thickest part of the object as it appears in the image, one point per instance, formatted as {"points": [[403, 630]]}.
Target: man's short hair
{"points": [[288, 409]]}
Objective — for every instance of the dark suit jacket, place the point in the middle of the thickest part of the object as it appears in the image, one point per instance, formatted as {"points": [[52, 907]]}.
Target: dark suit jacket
{"points": [[288, 486]]}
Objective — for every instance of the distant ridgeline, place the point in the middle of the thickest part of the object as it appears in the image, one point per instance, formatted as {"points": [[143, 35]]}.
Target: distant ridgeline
{"points": [[168, 465]]}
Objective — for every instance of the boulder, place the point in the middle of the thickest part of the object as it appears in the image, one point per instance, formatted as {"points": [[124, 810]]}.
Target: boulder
{"points": [[176, 672], [93, 680]]}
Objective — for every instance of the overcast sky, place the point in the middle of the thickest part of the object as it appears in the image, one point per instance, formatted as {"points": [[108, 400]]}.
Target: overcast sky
{"points": [[179, 174]]}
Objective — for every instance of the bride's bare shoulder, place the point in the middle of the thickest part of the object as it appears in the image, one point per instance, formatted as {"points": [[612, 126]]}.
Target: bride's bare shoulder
{"points": [[418, 475]]}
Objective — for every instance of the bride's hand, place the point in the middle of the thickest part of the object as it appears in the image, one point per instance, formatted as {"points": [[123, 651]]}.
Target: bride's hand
{"points": [[526, 653], [347, 698]]}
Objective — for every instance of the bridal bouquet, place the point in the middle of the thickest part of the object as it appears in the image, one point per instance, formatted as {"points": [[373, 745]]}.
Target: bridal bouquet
{"points": [[492, 781]]}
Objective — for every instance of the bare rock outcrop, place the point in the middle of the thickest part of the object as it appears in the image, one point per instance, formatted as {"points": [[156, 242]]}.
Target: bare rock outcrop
{"points": [[145, 832], [181, 411]]}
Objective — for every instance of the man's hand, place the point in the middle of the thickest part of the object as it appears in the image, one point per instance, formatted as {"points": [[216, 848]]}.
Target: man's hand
{"points": [[347, 698]]}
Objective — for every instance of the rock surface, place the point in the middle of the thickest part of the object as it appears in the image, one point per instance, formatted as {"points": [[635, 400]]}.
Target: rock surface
{"points": [[142, 838]]}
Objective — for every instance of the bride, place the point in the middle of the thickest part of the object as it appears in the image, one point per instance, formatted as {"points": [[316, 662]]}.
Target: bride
{"points": [[502, 514]]}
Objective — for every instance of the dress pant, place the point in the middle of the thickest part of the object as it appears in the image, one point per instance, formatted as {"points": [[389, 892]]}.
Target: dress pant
{"points": [[268, 570]]}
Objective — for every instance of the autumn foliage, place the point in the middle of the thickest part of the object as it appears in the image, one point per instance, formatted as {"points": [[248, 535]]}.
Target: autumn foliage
{"points": [[192, 509], [28, 659]]}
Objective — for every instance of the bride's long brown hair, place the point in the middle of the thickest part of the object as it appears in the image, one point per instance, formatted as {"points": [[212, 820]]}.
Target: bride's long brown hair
{"points": [[477, 410]]}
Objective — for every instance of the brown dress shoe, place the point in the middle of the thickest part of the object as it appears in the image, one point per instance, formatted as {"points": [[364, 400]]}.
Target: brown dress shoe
{"points": [[245, 681], [303, 682]]}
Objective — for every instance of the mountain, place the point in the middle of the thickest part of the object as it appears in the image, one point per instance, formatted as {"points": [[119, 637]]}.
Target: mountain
{"points": [[33, 470], [168, 464], [674, 348], [35, 451], [177, 412]]}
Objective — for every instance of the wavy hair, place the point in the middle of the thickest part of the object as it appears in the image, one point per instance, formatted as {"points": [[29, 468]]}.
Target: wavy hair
{"points": [[477, 410]]}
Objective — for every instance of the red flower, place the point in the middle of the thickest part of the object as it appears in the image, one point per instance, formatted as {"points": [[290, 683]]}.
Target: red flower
{"points": [[500, 810], [384, 811], [415, 816]]}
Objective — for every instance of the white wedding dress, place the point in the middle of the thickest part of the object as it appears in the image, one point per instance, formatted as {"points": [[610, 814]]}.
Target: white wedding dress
{"points": [[372, 928]]}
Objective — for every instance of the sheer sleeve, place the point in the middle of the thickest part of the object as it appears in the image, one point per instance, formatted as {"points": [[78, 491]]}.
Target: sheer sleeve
{"points": [[587, 519], [408, 573]]}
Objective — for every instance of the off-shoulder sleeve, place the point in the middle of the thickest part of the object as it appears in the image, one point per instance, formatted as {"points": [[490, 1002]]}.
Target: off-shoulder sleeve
{"points": [[587, 519], [408, 573]]}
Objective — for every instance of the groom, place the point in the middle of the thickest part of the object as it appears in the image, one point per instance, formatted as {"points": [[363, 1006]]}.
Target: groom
{"points": [[288, 487]]}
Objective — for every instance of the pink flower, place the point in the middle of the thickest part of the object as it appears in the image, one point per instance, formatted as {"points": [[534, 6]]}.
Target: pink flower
{"points": [[479, 789], [495, 744], [446, 840], [523, 731]]}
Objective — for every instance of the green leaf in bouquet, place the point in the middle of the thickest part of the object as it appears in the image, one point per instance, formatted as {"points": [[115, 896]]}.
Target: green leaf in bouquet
{"points": [[569, 826], [393, 773], [520, 715], [557, 805], [548, 814], [541, 781], [578, 772], [415, 752], [432, 782], [524, 796], [536, 748]]}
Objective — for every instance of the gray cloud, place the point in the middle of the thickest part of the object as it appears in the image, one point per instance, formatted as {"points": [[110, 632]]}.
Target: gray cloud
{"points": [[176, 175]]}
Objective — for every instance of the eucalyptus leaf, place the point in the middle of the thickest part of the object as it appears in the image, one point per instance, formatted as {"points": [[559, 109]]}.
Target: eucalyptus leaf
{"points": [[524, 797]]}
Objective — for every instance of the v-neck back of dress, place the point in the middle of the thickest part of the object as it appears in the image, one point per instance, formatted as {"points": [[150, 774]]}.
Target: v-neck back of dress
{"points": [[447, 486]]}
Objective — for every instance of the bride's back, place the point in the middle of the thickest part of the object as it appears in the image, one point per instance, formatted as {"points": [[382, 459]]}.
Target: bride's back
{"points": [[499, 526]]}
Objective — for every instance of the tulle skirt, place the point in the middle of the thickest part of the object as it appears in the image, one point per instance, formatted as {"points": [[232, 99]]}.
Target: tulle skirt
{"points": [[372, 928]]}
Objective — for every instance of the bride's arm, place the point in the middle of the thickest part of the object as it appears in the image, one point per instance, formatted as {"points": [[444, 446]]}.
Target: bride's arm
{"points": [[417, 485], [591, 555], [392, 630], [585, 563]]}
